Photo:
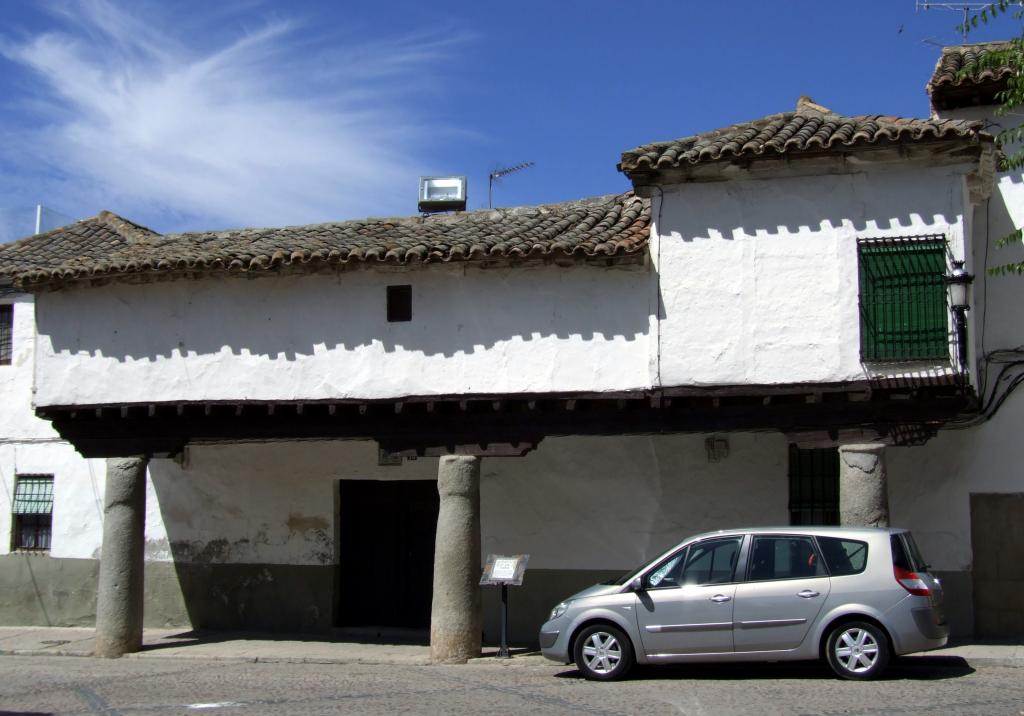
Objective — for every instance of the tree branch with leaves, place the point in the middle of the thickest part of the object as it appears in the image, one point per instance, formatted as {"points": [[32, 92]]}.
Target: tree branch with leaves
{"points": [[1006, 59]]}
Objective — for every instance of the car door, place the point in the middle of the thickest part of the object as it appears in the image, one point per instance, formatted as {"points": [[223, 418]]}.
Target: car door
{"points": [[686, 603], [785, 589]]}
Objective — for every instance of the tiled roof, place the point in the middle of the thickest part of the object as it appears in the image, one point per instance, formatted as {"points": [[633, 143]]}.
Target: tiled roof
{"points": [[104, 234], [107, 245], [948, 88], [956, 57], [811, 129]]}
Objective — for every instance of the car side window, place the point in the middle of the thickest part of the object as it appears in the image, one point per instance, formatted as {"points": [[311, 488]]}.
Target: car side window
{"points": [[667, 575], [784, 557], [711, 561], [844, 556]]}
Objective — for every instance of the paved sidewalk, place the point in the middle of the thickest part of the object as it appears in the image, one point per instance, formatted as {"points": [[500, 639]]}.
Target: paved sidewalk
{"points": [[314, 649]]}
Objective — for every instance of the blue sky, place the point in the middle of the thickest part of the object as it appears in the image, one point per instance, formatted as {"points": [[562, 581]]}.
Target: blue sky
{"points": [[198, 115]]}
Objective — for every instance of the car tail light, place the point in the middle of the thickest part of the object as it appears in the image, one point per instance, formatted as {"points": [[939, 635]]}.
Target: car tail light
{"points": [[911, 581]]}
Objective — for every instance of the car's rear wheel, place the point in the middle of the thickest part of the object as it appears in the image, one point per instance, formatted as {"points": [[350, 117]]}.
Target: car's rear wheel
{"points": [[857, 650], [603, 653]]}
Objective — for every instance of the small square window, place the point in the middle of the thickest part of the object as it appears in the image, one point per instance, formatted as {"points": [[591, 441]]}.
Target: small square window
{"points": [[32, 512], [399, 303], [6, 331]]}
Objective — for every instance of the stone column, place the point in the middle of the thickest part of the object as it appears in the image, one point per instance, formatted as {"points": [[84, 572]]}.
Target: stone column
{"points": [[119, 596], [863, 489], [455, 616]]}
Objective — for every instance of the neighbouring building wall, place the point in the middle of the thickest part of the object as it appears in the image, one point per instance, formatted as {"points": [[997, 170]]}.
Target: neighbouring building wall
{"points": [[17, 419], [759, 277], [57, 586], [473, 330]]}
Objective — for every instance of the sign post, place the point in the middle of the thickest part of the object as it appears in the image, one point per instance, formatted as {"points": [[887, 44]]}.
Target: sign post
{"points": [[504, 571]]}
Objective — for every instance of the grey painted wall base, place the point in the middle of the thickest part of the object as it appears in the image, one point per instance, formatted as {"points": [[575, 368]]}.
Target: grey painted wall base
{"points": [[39, 590], [258, 597], [45, 591]]}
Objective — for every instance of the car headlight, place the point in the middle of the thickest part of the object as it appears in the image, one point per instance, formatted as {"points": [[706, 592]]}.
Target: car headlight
{"points": [[559, 610]]}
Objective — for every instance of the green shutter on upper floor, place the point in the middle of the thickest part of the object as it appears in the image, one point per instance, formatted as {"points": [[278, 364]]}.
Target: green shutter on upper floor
{"points": [[903, 307]]}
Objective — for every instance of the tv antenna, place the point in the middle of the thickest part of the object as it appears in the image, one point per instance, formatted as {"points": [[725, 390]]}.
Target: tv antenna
{"points": [[498, 174], [962, 7]]}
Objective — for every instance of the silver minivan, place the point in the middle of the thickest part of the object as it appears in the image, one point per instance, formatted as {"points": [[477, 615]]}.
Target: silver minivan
{"points": [[853, 596]]}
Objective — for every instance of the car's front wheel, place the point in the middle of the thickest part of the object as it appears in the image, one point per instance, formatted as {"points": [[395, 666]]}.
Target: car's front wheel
{"points": [[603, 653], [857, 650]]}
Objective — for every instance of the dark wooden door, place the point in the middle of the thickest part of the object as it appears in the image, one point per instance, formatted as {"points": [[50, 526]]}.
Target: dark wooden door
{"points": [[387, 552]]}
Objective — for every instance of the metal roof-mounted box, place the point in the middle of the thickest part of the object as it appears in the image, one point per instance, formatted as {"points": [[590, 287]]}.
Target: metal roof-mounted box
{"points": [[442, 194]]}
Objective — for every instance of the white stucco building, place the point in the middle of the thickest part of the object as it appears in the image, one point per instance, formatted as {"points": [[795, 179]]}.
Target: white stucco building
{"points": [[631, 369]]}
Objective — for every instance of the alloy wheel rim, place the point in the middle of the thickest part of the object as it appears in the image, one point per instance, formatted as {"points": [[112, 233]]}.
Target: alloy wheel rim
{"points": [[602, 652], [856, 650]]}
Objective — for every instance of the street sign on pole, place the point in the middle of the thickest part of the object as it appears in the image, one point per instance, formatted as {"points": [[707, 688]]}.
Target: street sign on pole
{"points": [[504, 570]]}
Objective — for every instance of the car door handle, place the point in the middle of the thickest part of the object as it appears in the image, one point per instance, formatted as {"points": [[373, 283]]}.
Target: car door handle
{"points": [[807, 594], [721, 598]]}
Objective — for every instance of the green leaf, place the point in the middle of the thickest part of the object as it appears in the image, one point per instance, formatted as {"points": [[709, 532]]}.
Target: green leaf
{"points": [[1013, 237]]}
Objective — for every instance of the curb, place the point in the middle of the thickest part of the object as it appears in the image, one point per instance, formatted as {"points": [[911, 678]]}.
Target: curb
{"points": [[1011, 662]]}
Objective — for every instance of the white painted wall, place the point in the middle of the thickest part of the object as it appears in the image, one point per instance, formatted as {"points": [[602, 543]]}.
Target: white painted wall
{"points": [[758, 280], [518, 330], [575, 503], [613, 502], [759, 277]]}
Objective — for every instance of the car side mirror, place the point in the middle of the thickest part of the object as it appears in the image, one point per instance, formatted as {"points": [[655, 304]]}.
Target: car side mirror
{"points": [[637, 585]]}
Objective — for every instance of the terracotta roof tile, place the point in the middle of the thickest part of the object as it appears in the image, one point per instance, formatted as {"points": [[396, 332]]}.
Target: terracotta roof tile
{"points": [[811, 129], [107, 245], [948, 88], [957, 57]]}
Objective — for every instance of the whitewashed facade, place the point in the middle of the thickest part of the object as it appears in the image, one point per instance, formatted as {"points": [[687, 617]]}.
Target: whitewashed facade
{"points": [[749, 282]]}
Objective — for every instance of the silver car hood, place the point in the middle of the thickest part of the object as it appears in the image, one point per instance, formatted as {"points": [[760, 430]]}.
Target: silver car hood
{"points": [[596, 591]]}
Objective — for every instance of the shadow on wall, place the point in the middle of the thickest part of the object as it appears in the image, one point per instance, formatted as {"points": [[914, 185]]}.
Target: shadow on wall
{"points": [[817, 206], [222, 552], [289, 317]]}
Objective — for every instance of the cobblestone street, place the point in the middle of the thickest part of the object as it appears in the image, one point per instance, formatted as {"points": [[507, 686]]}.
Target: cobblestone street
{"points": [[915, 685]]}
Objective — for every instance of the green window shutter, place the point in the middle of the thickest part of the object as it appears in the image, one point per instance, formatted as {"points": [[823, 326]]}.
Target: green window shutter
{"points": [[904, 314]]}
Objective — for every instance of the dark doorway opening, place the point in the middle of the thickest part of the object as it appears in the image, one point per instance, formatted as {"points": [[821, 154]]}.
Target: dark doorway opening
{"points": [[386, 541], [997, 540]]}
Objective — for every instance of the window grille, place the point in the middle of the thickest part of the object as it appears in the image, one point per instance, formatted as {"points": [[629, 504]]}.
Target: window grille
{"points": [[813, 486], [33, 512], [6, 329], [903, 307]]}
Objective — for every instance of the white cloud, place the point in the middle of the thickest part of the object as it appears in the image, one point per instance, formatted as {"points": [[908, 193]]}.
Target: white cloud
{"points": [[281, 124]]}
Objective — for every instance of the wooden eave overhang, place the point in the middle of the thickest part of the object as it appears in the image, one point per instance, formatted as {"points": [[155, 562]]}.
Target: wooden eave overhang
{"points": [[515, 424]]}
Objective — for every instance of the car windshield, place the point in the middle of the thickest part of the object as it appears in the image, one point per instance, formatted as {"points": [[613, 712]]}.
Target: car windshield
{"points": [[625, 578]]}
